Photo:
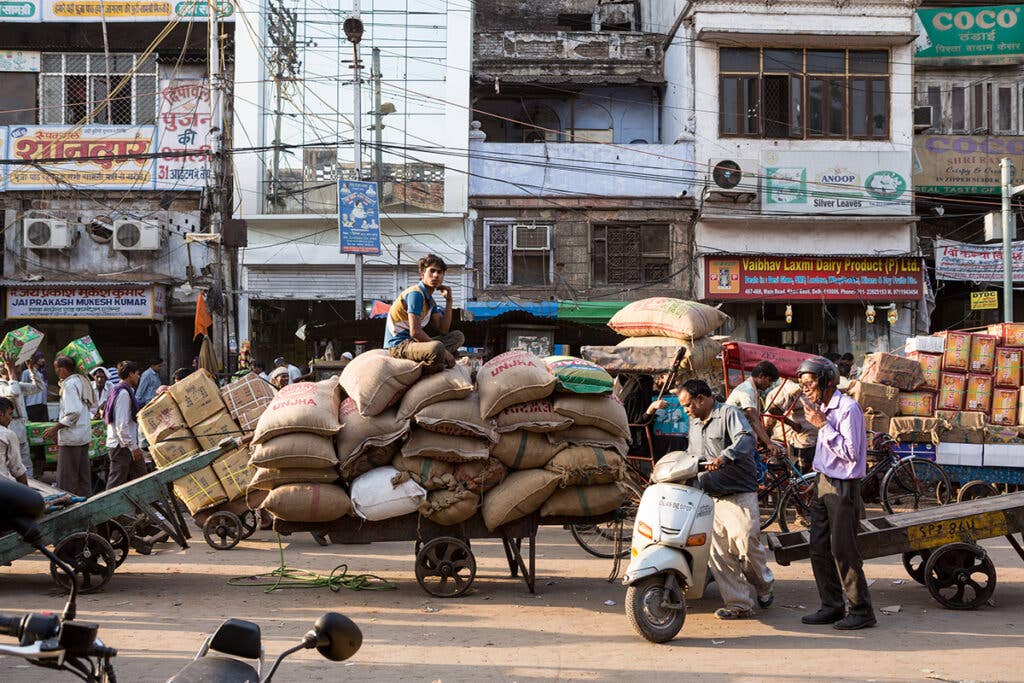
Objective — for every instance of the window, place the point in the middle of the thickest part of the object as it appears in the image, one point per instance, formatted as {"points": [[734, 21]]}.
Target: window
{"points": [[517, 254], [959, 110], [17, 98], [992, 107], [73, 88], [935, 102], [795, 93], [630, 254]]}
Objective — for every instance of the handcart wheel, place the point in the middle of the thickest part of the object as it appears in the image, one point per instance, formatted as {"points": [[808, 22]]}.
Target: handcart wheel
{"points": [[445, 567], [249, 523], [973, 490], [222, 530], [960, 576], [91, 559], [118, 539], [914, 562]]}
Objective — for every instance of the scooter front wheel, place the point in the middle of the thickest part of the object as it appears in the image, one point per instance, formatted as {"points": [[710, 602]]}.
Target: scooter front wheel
{"points": [[653, 610]]}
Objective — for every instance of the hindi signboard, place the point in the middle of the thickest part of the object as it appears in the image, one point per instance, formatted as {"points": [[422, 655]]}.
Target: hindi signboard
{"points": [[985, 301], [20, 10], [993, 33], [184, 131], [847, 184], [810, 278], [134, 10], [359, 217], [963, 164], [975, 262], [116, 303]]}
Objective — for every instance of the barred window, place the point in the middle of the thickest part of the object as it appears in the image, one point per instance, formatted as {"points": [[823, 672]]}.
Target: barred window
{"points": [[630, 254], [73, 89], [517, 254]]}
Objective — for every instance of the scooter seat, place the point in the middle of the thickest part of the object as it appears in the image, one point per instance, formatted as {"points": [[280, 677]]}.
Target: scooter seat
{"points": [[216, 670]]}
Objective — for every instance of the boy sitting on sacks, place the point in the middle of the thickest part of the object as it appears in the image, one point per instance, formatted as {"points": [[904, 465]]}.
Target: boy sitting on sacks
{"points": [[404, 336]]}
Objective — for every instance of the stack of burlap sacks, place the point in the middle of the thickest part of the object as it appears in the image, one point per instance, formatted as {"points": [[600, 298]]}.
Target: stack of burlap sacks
{"points": [[443, 446], [195, 415]]}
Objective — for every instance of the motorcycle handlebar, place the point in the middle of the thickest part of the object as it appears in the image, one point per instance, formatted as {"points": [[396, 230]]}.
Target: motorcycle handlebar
{"points": [[11, 626]]}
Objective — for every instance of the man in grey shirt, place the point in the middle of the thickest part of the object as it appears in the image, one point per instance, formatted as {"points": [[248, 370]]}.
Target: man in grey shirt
{"points": [[721, 436]]}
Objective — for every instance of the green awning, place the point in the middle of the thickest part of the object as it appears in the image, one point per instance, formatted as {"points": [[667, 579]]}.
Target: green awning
{"points": [[593, 312]]}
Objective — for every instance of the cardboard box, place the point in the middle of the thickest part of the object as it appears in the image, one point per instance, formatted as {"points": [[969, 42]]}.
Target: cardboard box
{"points": [[198, 397], [957, 353], [19, 345], [200, 490], [1009, 334], [160, 417], [173, 448], [1004, 406], [876, 398], [931, 368], [1002, 435], [1020, 408], [893, 371], [233, 471], [952, 391], [1008, 367], [1003, 455], [246, 399], [915, 429], [873, 422], [213, 430], [83, 352], [979, 393], [983, 353], [961, 427], [970, 454], [917, 403], [923, 344]]}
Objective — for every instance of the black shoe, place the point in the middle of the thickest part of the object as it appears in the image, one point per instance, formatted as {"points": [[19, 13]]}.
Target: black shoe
{"points": [[765, 601], [852, 622], [822, 616]]}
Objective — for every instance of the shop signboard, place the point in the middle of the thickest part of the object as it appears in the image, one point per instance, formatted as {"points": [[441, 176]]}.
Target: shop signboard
{"points": [[985, 301], [813, 278], [963, 164], [94, 157], [183, 135], [133, 10], [993, 33], [975, 262], [20, 10], [94, 303], [359, 217], [846, 184], [19, 60]]}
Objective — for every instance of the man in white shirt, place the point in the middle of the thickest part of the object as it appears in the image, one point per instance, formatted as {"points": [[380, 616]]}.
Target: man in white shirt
{"points": [[10, 450], [126, 459], [72, 431], [749, 397], [101, 387], [35, 404], [17, 392], [293, 372]]}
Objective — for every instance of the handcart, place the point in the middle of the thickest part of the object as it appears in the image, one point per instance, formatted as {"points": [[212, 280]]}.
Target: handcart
{"points": [[88, 537], [225, 525], [939, 545], [445, 564]]}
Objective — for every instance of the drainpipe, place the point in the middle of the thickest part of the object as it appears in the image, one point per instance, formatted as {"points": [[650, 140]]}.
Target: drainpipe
{"points": [[691, 54]]}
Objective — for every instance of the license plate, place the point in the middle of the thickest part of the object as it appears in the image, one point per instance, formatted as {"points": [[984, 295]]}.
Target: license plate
{"points": [[972, 528]]}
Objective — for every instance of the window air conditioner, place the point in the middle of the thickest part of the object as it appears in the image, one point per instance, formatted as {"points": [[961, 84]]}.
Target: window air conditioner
{"points": [[923, 118], [531, 237]]}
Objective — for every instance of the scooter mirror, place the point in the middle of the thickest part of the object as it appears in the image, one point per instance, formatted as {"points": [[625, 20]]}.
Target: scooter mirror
{"points": [[19, 505], [337, 636]]}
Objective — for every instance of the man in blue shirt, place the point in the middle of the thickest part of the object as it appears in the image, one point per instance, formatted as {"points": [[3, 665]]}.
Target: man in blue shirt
{"points": [[414, 309], [150, 382]]}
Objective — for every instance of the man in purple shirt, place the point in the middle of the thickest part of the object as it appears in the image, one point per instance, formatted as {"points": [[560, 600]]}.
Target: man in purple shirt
{"points": [[840, 459]]}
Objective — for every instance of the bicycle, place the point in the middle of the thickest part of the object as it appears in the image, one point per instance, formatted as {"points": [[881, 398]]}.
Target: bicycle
{"points": [[903, 484], [784, 493]]}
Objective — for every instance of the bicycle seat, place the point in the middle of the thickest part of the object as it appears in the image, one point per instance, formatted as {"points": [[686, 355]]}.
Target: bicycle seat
{"points": [[216, 670]]}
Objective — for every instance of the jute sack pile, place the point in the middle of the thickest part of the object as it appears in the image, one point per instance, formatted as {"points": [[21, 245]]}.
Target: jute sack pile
{"points": [[480, 476], [585, 465], [667, 317], [589, 436], [450, 507], [524, 450], [584, 501], [429, 473], [533, 416], [522, 493], [308, 502], [458, 418], [448, 385], [511, 378], [367, 442], [375, 381]]}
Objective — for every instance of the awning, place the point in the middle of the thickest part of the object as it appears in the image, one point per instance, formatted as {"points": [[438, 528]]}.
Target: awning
{"points": [[594, 312], [484, 310]]}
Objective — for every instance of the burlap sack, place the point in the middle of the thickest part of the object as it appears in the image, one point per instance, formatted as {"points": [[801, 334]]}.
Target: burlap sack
{"points": [[589, 436], [266, 479], [700, 353], [173, 448], [200, 490], [370, 458], [524, 450], [666, 317], [376, 381], [511, 378], [360, 432], [584, 501], [215, 429], [480, 475], [458, 418], [383, 493], [448, 508], [234, 472], [604, 412], [247, 398], [448, 385], [160, 417], [586, 465], [447, 447], [521, 494], [429, 473], [197, 397], [298, 449], [535, 416], [308, 502], [310, 407]]}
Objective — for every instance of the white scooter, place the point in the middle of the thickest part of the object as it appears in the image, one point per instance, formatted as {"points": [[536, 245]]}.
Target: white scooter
{"points": [[670, 549]]}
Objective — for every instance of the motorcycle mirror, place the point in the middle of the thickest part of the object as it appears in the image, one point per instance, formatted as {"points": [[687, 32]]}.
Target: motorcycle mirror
{"points": [[19, 505], [337, 636]]}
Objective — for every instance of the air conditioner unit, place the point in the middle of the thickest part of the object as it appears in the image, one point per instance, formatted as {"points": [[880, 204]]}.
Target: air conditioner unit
{"points": [[733, 176], [923, 118], [46, 233], [132, 235], [531, 237]]}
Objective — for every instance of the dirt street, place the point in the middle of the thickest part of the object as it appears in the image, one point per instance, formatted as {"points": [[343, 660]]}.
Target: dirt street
{"points": [[156, 610]]}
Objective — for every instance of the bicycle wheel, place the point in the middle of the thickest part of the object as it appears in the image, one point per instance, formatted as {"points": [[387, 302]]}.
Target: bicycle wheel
{"points": [[915, 484], [599, 539], [794, 509], [768, 503]]}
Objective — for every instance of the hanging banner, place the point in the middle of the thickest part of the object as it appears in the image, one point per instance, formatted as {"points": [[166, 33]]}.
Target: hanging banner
{"points": [[963, 164], [802, 278], [183, 123], [994, 33], [359, 217], [847, 184], [976, 262], [20, 10], [139, 303], [133, 10]]}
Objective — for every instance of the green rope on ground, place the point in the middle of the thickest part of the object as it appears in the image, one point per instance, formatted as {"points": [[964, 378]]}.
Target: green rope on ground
{"points": [[287, 577]]}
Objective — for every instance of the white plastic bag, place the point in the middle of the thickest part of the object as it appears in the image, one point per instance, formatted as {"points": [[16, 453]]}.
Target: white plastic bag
{"points": [[374, 497]]}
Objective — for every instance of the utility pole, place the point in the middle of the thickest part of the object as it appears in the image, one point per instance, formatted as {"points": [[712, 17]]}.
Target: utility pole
{"points": [[216, 191], [1008, 190], [282, 29], [354, 33], [378, 119]]}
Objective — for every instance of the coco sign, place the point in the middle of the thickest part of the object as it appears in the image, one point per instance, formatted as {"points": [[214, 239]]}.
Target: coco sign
{"points": [[986, 34]]}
